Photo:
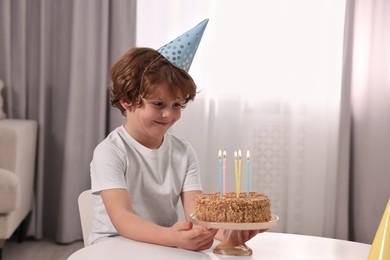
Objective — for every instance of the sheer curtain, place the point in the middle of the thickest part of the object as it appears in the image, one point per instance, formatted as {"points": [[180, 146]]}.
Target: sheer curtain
{"points": [[269, 75], [55, 60]]}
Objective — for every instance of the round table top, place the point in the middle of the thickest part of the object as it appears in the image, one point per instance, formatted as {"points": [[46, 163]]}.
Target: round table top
{"points": [[268, 245]]}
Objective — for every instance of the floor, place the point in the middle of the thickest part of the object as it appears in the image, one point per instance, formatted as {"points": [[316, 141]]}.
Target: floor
{"points": [[39, 250]]}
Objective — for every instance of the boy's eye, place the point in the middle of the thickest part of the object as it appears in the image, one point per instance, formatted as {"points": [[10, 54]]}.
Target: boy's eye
{"points": [[179, 106], [158, 104], [161, 104]]}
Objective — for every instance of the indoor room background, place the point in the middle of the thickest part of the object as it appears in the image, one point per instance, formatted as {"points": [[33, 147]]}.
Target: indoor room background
{"points": [[302, 85]]}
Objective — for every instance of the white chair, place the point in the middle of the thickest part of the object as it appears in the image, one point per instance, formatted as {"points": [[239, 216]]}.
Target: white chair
{"points": [[18, 145], [86, 214]]}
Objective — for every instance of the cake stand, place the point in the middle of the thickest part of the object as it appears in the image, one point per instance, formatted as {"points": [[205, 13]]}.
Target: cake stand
{"points": [[233, 244]]}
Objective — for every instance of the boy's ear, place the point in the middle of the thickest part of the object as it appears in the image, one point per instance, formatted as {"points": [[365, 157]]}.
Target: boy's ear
{"points": [[125, 104]]}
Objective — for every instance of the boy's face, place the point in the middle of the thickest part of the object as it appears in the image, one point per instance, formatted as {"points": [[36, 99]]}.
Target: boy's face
{"points": [[149, 123]]}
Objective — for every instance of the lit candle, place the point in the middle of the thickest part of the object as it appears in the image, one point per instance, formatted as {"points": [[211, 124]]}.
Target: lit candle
{"points": [[224, 172], [248, 173], [220, 172]]}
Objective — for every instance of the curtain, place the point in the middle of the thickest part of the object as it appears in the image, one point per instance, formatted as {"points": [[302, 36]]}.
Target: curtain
{"points": [[275, 77], [304, 86], [369, 45], [269, 75], [55, 61]]}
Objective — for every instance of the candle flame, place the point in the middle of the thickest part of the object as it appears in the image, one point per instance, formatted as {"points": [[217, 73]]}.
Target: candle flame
{"points": [[224, 154], [235, 155], [219, 154], [239, 154], [247, 155]]}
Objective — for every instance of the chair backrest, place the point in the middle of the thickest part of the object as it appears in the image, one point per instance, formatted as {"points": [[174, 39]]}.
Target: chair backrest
{"points": [[85, 210]]}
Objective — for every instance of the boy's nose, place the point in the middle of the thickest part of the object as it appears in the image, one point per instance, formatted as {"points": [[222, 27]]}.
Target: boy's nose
{"points": [[167, 112]]}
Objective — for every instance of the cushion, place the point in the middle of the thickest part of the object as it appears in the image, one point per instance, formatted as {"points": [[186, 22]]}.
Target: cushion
{"points": [[9, 191], [2, 114]]}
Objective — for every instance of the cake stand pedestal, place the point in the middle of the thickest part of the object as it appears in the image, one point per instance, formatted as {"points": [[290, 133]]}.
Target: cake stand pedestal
{"points": [[233, 244]]}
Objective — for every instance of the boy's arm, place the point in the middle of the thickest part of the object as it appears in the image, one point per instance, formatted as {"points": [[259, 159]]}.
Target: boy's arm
{"points": [[132, 226], [188, 201]]}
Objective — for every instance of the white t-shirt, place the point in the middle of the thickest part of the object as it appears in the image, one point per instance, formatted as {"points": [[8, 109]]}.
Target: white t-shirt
{"points": [[153, 178]]}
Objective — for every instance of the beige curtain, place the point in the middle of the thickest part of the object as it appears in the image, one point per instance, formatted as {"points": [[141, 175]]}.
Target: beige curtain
{"points": [[55, 60], [369, 70]]}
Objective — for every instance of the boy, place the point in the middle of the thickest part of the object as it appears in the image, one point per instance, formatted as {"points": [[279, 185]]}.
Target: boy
{"points": [[140, 170]]}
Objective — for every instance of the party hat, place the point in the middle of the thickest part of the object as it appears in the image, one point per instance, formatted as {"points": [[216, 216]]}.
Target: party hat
{"points": [[181, 51], [380, 249]]}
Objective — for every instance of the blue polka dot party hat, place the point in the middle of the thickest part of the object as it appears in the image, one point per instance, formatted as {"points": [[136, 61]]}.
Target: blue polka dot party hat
{"points": [[181, 51]]}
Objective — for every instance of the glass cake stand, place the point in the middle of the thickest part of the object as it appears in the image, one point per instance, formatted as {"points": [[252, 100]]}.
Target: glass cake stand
{"points": [[233, 244]]}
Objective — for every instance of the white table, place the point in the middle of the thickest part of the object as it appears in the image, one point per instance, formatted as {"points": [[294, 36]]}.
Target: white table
{"points": [[268, 245]]}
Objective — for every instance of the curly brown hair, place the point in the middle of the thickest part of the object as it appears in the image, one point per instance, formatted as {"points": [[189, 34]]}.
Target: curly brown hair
{"points": [[138, 72]]}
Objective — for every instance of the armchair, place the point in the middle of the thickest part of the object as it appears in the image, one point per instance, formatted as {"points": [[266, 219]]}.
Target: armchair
{"points": [[18, 139]]}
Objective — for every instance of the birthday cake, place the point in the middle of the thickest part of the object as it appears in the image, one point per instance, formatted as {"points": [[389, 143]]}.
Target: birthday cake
{"points": [[254, 208]]}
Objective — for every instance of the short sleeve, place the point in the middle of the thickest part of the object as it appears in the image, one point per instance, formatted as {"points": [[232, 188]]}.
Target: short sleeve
{"points": [[108, 167], [192, 180]]}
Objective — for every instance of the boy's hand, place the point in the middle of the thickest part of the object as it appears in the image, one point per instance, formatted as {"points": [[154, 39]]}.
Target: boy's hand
{"points": [[192, 237]]}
